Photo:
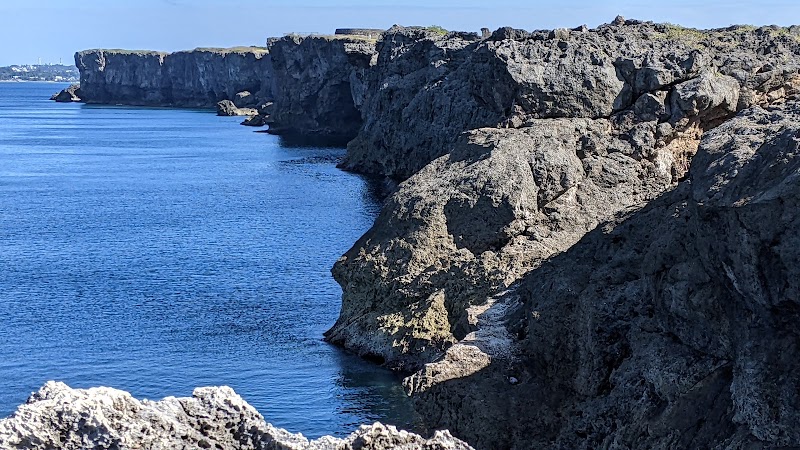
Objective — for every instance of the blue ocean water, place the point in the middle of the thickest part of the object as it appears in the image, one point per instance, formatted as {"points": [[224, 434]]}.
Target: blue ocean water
{"points": [[155, 250]]}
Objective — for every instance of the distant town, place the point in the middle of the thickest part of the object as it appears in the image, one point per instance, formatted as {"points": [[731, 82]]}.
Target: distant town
{"points": [[40, 72]]}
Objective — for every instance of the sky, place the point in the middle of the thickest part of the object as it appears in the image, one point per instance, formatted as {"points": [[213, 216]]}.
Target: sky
{"points": [[54, 30]]}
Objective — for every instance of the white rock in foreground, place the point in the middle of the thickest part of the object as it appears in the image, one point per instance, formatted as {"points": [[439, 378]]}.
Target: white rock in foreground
{"points": [[59, 417]]}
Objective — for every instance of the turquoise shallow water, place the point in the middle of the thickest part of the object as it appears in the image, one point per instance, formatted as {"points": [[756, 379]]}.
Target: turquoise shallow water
{"points": [[155, 250]]}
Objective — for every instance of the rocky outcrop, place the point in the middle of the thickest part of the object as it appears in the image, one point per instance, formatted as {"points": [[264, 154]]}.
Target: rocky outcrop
{"points": [[503, 199], [672, 326], [567, 132], [215, 417], [68, 95], [320, 84], [427, 88], [197, 78], [474, 221]]}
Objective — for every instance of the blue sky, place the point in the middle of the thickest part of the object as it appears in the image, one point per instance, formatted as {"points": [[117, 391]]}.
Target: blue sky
{"points": [[53, 29]]}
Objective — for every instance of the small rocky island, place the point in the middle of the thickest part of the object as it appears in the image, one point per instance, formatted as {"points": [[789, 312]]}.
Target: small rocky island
{"points": [[595, 239]]}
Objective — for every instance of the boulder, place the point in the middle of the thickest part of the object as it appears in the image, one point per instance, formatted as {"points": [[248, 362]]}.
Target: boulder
{"points": [[70, 94], [255, 121], [245, 99]]}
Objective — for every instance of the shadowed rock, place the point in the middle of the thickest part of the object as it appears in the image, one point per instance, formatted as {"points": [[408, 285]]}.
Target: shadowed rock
{"points": [[319, 84], [669, 327], [70, 94]]}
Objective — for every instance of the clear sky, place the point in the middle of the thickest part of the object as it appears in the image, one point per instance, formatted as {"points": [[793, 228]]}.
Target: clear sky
{"points": [[55, 29]]}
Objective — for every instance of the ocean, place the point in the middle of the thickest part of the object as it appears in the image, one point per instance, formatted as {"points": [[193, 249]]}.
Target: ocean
{"points": [[155, 250]]}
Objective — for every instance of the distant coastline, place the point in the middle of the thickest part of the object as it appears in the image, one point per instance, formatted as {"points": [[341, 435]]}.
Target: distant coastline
{"points": [[38, 81], [58, 73]]}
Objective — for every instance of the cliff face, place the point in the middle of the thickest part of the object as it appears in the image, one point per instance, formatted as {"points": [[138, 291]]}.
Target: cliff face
{"points": [[215, 417], [503, 199], [320, 84], [198, 78], [489, 271], [672, 326]]}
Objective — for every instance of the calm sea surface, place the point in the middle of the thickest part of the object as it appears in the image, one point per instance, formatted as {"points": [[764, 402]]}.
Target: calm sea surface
{"points": [[155, 250]]}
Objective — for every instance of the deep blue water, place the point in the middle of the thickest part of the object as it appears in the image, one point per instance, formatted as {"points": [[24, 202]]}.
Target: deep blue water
{"points": [[155, 250]]}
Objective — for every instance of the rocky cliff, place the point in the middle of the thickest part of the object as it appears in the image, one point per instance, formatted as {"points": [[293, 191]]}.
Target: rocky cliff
{"points": [[320, 84], [214, 417], [503, 199], [594, 245], [670, 326], [426, 87], [551, 268], [197, 78]]}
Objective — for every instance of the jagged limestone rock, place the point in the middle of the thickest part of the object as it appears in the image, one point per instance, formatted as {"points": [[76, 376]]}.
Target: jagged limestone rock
{"points": [[501, 200], [456, 276], [214, 417], [475, 220]]}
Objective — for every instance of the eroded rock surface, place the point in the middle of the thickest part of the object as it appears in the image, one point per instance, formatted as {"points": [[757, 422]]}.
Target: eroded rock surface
{"points": [[557, 276], [427, 88], [501, 200], [474, 221], [674, 326], [214, 417]]}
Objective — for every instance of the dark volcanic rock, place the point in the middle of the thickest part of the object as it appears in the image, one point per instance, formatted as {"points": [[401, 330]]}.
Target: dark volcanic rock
{"points": [[255, 121], [670, 327], [319, 84], [70, 94], [197, 78]]}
